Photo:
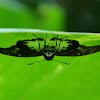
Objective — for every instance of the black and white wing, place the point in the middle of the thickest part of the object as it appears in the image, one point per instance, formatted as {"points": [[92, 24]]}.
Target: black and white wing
{"points": [[75, 49], [80, 51], [21, 49]]}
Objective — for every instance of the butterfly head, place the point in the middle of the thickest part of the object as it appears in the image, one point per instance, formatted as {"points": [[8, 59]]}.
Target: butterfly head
{"points": [[48, 52]]}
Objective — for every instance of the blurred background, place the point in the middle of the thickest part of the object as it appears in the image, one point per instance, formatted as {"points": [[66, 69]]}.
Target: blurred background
{"points": [[56, 15]]}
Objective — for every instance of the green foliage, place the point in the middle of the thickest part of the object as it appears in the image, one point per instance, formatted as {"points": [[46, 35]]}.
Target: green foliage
{"points": [[16, 15], [52, 17]]}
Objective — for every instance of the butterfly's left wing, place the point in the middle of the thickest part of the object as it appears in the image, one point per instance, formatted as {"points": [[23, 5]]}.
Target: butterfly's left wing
{"points": [[80, 51], [21, 49]]}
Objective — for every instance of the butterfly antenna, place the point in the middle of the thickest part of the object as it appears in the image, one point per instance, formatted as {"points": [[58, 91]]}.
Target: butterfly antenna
{"points": [[35, 36], [36, 62], [56, 40], [61, 62], [52, 60], [45, 40]]}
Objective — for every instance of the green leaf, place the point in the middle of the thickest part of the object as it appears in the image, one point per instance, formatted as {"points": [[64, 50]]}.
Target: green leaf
{"points": [[49, 80]]}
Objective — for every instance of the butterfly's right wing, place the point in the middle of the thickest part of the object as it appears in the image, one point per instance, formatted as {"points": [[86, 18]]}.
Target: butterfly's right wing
{"points": [[80, 51]]}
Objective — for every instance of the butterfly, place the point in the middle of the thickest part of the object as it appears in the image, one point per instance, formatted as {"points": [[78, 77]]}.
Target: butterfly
{"points": [[49, 47]]}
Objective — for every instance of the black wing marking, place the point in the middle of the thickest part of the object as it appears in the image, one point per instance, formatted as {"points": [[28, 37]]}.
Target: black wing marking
{"points": [[20, 50], [80, 51]]}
